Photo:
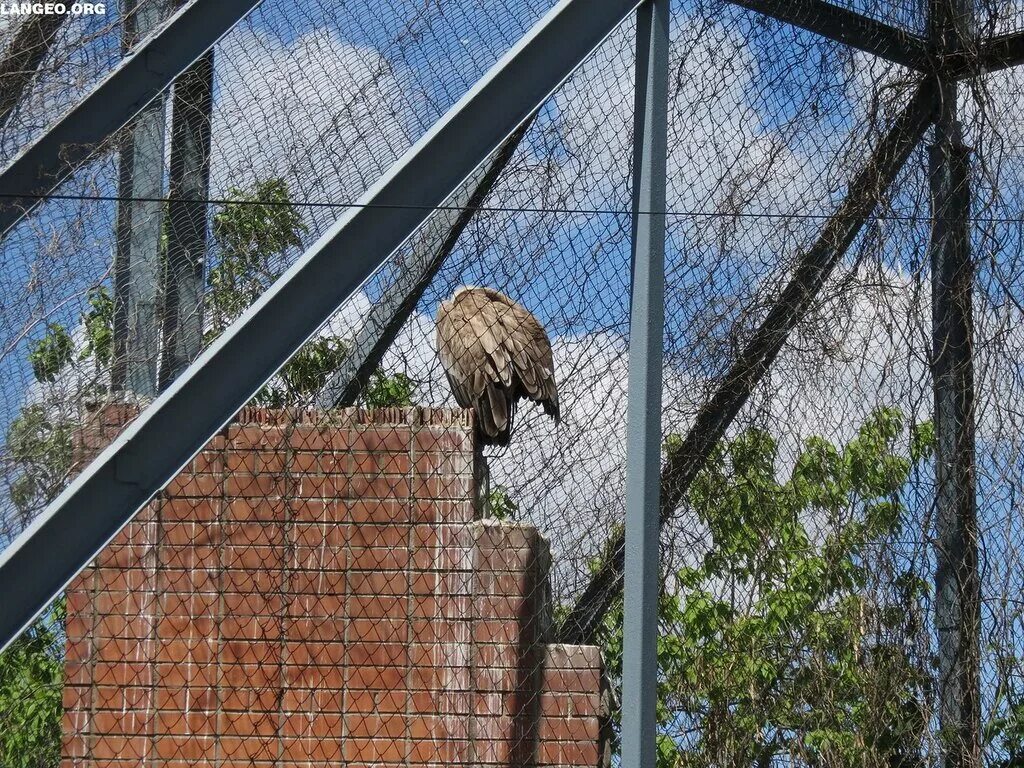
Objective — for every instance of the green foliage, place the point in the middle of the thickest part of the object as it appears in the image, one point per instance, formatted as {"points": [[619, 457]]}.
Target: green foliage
{"points": [[31, 686], [51, 353], [99, 327], [42, 448], [778, 643], [385, 391], [500, 505], [306, 373], [252, 231]]}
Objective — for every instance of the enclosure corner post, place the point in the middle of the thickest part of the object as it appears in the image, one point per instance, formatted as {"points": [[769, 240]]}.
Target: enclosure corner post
{"points": [[957, 581], [957, 585], [138, 266], [643, 437], [191, 126]]}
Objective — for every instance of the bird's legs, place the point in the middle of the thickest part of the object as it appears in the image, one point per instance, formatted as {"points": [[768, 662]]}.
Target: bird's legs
{"points": [[481, 483]]}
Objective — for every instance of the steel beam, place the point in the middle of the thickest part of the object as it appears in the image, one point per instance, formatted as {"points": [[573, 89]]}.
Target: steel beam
{"points": [[153, 449], [643, 413], [425, 256], [999, 52], [135, 82], [812, 271], [32, 42], [849, 28]]}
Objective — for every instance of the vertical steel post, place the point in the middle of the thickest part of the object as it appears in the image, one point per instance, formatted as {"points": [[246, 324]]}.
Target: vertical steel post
{"points": [[186, 218], [957, 582], [643, 435], [138, 265]]}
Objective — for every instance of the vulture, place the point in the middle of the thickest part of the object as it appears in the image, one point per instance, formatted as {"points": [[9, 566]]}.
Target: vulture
{"points": [[495, 353]]}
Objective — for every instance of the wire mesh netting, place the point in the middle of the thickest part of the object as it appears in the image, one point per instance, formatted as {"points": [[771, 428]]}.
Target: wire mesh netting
{"points": [[392, 556]]}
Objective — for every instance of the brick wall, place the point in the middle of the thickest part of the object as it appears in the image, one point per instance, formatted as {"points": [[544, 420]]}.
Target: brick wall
{"points": [[312, 592]]}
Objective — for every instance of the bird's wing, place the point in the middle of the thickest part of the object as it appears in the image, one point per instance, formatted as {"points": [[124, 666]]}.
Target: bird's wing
{"points": [[522, 351], [494, 351]]}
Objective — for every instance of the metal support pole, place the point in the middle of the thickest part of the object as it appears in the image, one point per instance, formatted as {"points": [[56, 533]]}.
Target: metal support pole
{"points": [[957, 583], [192, 113], [137, 266], [643, 421]]}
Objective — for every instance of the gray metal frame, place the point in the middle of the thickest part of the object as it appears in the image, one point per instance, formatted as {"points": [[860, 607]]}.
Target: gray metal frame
{"points": [[137, 80], [100, 501], [643, 416], [849, 28]]}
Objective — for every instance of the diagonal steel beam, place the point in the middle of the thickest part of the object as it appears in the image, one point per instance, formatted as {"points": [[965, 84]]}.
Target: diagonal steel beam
{"points": [[847, 27], [811, 273], [104, 498], [137, 80], [24, 55], [999, 52]]}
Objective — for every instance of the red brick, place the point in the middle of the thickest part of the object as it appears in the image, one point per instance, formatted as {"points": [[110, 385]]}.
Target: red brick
{"points": [[311, 725], [186, 747], [376, 630], [319, 581], [321, 462], [320, 438], [380, 654], [304, 652], [381, 463], [314, 749], [314, 676], [317, 605], [443, 750], [378, 607], [249, 747], [247, 724], [318, 535], [323, 486], [384, 487], [376, 701], [378, 511], [384, 439], [188, 485], [376, 726], [376, 535], [256, 486], [268, 510], [379, 558], [124, 747], [376, 750]]}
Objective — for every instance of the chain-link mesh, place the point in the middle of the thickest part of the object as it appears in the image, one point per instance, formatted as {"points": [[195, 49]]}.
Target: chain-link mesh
{"points": [[392, 556]]}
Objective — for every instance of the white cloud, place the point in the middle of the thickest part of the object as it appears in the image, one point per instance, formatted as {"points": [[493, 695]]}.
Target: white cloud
{"points": [[326, 115]]}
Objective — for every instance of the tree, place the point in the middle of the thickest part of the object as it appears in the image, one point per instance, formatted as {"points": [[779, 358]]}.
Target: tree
{"points": [[31, 692], [778, 642]]}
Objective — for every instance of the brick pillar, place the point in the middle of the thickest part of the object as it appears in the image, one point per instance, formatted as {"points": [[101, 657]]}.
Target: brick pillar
{"points": [[314, 590]]}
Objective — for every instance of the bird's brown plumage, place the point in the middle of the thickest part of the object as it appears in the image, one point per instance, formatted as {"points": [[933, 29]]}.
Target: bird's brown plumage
{"points": [[495, 353]]}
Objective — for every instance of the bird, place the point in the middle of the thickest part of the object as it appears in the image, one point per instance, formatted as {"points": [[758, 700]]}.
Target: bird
{"points": [[495, 353]]}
